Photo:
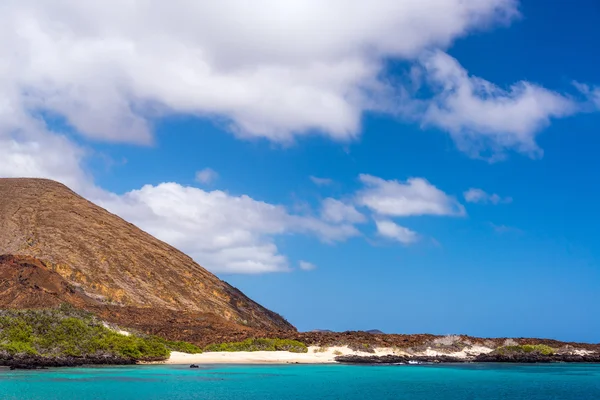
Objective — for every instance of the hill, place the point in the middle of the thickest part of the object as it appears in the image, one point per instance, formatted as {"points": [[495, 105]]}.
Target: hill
{"points": [[58, 247]]}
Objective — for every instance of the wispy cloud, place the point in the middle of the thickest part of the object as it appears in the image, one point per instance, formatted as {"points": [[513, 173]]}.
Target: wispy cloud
{"points": [[306, 266], [206, 176], [321, 181], [391, 230], [474, 195], [502, 229], [481, 116], [337, 211]]}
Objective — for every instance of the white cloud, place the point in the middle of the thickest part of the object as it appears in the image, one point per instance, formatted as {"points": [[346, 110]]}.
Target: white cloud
{"points": [[273, 69], [306, 266], [222, 232], [592, 94], [474, 195], [391, 230], [207, 175], [416, 196], [51, 157], [336, 211], [481, 115], [502, 229], [321, 181]]}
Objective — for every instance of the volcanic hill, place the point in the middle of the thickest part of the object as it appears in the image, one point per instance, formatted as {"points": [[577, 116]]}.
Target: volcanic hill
{"points": [[58, 247]]}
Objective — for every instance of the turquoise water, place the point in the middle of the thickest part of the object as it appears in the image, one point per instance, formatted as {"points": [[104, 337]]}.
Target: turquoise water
{"points": [[445, 382]]}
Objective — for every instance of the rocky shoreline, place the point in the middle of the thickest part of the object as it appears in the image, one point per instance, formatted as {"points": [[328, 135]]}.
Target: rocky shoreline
{"points": [[38, 362], [482, 358]]}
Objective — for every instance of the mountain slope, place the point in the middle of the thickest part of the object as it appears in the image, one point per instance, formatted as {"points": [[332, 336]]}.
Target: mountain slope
{"points": [[111, 262]]}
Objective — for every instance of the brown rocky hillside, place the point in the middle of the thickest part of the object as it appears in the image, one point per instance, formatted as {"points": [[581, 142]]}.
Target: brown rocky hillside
{"points": [[60, 247]]}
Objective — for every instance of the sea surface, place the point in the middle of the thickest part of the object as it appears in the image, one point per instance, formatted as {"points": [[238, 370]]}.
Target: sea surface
{"points": [[440, 382]]}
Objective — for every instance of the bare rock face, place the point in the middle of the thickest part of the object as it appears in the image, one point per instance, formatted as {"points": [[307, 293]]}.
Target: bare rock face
{"points": [[82, 254], [25, 282]]}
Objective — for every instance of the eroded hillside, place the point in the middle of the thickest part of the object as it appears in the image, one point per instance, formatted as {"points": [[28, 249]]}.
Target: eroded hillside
{"points": [[107, 264]]}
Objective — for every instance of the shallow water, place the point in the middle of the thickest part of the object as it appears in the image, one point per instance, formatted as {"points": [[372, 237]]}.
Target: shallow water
{"points": [[441, 382]]}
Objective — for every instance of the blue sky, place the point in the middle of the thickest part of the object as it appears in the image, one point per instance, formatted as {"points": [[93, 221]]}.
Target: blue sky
{"points": [[504, 101]]}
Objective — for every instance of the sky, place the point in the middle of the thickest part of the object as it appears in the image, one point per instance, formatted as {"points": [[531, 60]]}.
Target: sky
{"points": [[405, 166]]}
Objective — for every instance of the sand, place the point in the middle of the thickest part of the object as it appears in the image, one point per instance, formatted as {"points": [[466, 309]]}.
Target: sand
{"points": [[315, 355]]}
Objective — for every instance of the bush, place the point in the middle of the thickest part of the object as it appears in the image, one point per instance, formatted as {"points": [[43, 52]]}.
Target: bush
{"points": [[448, 340], [527, 348], [364, 347], [293, 346], [183, 347], [70, 332]]}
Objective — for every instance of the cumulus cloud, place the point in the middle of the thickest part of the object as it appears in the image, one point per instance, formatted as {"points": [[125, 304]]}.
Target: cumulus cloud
{"points": [[273, 69], [223, 232], [306, 266], [414, 197], [51, 157], [270, 69], [391, 230], [481, 115], [336, 211], [475, 195], [207, 175], [321, 181]]}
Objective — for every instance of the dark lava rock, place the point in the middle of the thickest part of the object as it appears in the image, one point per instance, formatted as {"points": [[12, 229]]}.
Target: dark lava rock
{"points": [[528, 358], [37, 362], [194, 366], [524, 358], [391, 359]]}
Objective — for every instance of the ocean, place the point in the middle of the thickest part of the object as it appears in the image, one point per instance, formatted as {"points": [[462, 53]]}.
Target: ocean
{"points": [[339, 382]]}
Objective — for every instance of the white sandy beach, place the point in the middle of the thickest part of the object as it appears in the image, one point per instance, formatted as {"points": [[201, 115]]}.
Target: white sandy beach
{"points": [[322, 355], [315, 355]]}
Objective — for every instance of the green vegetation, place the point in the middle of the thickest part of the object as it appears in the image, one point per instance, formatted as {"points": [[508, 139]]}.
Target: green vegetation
{"points": [[364, 347], [321, 349], [260, 345], [527, 348], [183, 347], [70, 332]]}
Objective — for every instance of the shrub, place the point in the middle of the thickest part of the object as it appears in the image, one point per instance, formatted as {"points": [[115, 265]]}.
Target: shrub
{"points": [[69, 332], [364, 347], [183, 347], [527, 348], [293, 346], [448, 340]]}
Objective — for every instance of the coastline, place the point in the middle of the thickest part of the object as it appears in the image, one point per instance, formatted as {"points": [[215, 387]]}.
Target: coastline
{"points": [[345, 355], [315, 355]]}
